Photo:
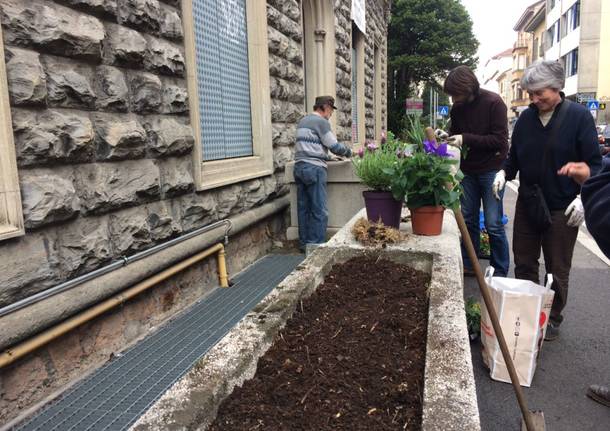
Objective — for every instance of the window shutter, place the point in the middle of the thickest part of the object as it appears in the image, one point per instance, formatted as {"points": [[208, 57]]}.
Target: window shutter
{"points": [[223, 78]]}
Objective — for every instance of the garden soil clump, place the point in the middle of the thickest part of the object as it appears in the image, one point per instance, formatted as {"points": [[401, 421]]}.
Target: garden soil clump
{"points": [[352, 357]]}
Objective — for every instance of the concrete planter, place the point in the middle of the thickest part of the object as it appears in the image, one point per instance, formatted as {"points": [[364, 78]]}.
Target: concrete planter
{"points": [[449, 394]]}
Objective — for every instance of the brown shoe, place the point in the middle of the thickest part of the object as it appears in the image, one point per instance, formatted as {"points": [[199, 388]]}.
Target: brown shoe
{"points": [[598, 393]]}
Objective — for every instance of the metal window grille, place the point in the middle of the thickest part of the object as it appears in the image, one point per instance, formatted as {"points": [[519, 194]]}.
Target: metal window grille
{"points": [[223, 78], [355, 95]]}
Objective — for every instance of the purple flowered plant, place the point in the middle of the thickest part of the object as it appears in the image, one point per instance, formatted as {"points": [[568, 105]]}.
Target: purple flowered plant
{"points": [[431, 148], [371, 146], [361, 152]]}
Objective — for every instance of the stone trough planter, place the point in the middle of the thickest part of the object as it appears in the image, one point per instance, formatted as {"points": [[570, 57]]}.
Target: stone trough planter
{"points": [[449, 389]]}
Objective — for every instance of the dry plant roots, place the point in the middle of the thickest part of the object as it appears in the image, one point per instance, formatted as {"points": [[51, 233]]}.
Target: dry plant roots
{"points": [[375, 234]]}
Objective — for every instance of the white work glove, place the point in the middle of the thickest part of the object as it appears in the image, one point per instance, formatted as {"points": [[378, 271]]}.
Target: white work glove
{"points": [[576, 212], [498, 184], [441, 135], [455, 141]]}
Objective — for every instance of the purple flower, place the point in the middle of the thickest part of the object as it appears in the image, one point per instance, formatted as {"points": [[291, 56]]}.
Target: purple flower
{"points": [[371, 146], [429, 147], [383, 138], [440, 151], [361, 152]]}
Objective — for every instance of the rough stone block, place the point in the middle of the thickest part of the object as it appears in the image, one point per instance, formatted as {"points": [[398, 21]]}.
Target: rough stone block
{"points": [[290, 8], [281, 156], [171, 24], [47, 198], [84, 245], [162, 222], [164, 57], [282, 23], [70, 84], [284, 134], [111, 89], [286, 112], [176, 176], [28, 265], [47, 136], [144, 15], [104, 187], [255, 194], [167, 136], [228, 199], [129, 231], [282, 68], [27, 82], [124, 47], [145, 92], [52, 28], [286, 90], [175, 99], [284, 47], [119, 136], [197, 211], [96, 7]]}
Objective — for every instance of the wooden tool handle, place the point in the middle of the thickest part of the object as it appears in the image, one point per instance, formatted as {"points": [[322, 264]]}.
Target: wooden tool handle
{"points": [[430, 136]]}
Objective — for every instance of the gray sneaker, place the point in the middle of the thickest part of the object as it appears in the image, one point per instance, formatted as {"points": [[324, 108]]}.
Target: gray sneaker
{"points": [[552, 331]]}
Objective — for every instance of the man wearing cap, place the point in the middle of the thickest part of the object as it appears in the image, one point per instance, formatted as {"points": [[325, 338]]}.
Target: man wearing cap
{"points": [[313, 140]]}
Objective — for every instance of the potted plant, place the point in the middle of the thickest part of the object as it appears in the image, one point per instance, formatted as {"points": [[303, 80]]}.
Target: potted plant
{"points": [[428, 177], [375, 165]]}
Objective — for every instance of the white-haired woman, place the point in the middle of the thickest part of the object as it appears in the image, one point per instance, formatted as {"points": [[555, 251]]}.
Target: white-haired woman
{"points": [[551, 132]]}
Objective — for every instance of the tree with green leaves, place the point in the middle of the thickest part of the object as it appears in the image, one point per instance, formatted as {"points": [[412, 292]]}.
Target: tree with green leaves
{"points": [[426, 39]]}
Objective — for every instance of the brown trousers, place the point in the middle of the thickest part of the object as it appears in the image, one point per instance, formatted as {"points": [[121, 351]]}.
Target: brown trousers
{"points": [[557, 244]]}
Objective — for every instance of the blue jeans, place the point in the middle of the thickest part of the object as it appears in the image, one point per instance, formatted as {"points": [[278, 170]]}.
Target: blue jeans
{"points": [[311, 203], [476, 188]]}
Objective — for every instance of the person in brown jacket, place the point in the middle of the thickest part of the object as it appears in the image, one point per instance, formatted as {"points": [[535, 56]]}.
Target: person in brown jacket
{"points": [[479, 127]]}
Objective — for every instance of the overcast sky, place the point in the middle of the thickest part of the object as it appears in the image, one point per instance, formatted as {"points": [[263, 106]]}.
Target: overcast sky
{"points": [[493, 22]]}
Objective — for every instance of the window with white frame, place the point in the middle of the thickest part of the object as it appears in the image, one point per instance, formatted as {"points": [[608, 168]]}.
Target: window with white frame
{"points": [[573, 17], [556, 30], [11, 212], [228, 80], [570, 61]]}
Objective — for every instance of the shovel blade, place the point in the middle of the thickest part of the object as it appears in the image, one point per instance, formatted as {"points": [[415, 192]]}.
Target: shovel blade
{"points": [[538, 421]]}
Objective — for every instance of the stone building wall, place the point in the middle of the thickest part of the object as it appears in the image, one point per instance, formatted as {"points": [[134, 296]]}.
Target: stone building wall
{"points": [[377, 16], [104, 147], [100, 120]]}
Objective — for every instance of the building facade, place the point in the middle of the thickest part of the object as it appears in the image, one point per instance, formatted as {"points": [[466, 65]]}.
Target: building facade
{"points": [[578, 35], [128, 123]]}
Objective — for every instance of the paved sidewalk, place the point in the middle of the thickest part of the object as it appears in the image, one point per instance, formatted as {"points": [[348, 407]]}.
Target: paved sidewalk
{"points": [[568, 365]]}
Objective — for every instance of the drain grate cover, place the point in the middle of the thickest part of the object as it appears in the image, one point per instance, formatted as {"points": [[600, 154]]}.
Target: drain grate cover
{"points": [[117, 394]]}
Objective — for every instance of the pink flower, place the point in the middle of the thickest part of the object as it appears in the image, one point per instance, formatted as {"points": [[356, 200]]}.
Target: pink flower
{"points": [[361, 152], [371, 146]]}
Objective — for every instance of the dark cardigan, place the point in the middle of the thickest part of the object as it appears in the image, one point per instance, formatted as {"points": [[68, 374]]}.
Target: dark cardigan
{"points": [[483, 125], [576, 142], [596, 200]]}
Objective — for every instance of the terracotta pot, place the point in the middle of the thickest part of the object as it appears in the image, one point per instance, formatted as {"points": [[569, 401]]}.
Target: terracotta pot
{"points": [[427, 220], [382, 205]]}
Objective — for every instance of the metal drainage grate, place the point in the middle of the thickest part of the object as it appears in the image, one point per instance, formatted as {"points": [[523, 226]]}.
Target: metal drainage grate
{"points": [[117, 394]]}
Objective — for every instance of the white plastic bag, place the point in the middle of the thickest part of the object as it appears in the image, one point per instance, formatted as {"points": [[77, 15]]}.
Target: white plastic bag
{"points": [[523, 309]]}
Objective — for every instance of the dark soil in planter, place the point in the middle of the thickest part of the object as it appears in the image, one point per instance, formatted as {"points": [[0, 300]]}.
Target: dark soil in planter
{"points": [[351, 358]]}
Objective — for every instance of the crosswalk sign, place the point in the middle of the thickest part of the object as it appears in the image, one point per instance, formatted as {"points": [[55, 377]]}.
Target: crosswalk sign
{"points": [[593, 105], [443, 110]]}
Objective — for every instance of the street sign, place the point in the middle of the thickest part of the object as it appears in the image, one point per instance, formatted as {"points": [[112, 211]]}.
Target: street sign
{"points": [[443, 110], [593, 105], [415, 106]]}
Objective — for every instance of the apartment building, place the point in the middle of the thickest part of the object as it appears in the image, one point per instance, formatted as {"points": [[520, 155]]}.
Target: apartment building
{"points": [[578, 34]]}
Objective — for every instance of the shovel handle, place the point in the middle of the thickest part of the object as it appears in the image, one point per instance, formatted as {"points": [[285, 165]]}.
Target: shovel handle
{"points": [[491, 310]]}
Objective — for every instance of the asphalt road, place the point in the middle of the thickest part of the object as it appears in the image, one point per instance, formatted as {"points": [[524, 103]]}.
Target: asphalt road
{"points": [[568, 365]]}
